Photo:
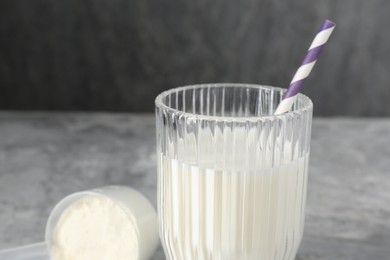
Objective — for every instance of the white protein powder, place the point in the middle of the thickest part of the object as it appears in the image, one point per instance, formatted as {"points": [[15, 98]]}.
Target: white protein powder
{"points": [[94, 228]]}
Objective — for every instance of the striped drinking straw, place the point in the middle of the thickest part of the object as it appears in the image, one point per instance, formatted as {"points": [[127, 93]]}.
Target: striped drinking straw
{"points": [[304, 70]]}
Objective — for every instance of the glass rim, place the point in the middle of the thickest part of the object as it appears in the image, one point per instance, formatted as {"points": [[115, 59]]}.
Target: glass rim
{"points": [[160, 104]]}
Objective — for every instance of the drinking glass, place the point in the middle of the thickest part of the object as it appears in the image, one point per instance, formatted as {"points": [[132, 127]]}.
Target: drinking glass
{"points": [[232, 177]]}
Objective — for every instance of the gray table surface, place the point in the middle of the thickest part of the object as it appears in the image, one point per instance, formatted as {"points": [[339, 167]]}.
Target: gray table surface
{"points": [[45, 156]]}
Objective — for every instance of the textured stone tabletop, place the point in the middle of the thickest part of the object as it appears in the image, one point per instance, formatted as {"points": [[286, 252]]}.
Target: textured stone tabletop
{"points": [[44, 157]]}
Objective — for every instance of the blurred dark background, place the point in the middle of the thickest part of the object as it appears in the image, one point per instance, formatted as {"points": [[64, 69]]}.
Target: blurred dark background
{"points": [[118, 55]]}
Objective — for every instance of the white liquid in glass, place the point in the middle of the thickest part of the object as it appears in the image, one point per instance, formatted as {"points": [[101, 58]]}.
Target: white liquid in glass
{"points": [[231, 214]]}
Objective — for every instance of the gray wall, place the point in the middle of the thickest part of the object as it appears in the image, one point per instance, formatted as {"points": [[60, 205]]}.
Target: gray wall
{"points": [[118, 54]]}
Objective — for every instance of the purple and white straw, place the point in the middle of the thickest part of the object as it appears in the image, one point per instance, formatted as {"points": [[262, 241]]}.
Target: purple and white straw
{"points": [[307, 65]]}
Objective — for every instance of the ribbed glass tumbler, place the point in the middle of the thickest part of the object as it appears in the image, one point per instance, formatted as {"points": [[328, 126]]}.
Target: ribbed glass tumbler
{"points": [[231, 176]]}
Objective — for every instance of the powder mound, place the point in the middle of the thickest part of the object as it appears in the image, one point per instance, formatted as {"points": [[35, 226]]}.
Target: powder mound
{"points": [[94, 228]]}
